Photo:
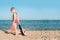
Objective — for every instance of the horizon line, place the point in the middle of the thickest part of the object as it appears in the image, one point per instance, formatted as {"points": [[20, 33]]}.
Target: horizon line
{"points": [[35, 19]]}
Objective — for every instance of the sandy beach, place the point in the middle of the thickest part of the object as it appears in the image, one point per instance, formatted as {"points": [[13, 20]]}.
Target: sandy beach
{"points": [[32, 35]]}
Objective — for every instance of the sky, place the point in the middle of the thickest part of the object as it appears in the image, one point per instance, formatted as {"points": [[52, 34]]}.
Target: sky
{"points": [[31, 9]]}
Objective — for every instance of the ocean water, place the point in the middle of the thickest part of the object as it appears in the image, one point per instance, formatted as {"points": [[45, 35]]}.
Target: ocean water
{"points": [[33, 24]]}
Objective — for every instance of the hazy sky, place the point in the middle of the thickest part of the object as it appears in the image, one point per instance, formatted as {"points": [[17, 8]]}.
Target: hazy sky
{"points": [[31, 9]]}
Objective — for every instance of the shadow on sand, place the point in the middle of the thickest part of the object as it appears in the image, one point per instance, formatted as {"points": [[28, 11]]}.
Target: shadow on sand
{"points": [[8, 32]]}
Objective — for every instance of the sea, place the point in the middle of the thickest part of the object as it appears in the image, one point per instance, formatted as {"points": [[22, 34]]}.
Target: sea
{"points": [[33, 24]]}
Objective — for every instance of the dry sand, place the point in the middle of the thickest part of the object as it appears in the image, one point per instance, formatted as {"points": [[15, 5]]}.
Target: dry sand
{"points": [[32, 35]]}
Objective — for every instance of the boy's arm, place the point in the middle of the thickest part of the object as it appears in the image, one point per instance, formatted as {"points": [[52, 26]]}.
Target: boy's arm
{"points": [[18, 20]]}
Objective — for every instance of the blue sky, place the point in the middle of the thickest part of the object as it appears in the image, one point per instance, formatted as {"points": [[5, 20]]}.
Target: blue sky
{"points": [[31, 9]]}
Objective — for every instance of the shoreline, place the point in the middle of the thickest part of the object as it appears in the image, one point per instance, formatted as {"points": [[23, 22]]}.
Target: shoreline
{"points": [[48, 29]]}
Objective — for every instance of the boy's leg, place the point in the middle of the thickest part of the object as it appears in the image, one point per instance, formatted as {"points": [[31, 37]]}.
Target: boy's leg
{"points": [[16, 30]]}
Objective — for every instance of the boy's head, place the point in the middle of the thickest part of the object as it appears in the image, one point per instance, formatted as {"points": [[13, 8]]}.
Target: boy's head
{"points": [[13, 10]]}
